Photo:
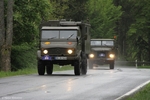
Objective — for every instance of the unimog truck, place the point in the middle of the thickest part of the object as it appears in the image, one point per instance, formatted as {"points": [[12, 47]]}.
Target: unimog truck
{"points": [[63, 43], [102, 52]]}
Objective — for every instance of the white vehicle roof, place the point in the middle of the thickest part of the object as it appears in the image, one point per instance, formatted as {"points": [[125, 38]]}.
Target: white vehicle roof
{"points": [[101, 39], [53, 28]]}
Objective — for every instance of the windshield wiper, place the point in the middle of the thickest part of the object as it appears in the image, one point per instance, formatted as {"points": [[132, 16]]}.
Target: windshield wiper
{"points": [[70, 36], [52, 37]]}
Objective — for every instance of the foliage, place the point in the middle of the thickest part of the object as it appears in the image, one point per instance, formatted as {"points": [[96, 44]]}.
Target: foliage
{"points": [[139, 34], [127, 19], [103, 15], [77, 10], [23, 56], [69, 9], [28, 14], [58, 9]]}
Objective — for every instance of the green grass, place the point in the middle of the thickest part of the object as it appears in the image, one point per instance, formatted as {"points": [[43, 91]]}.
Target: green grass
{"points": [[143, 94], [32, 70], [143, 66]]}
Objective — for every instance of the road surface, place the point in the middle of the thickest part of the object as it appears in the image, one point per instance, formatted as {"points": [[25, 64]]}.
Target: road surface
{"points": [[100, 83]]}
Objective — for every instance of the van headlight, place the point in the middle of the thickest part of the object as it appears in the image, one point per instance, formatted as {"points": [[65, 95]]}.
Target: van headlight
{"points": [[70, 51], [111, 55], [45, 51], [91, 55]]}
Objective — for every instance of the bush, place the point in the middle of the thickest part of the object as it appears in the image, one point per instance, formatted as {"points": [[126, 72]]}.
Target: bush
{"points": [[23, 56]]}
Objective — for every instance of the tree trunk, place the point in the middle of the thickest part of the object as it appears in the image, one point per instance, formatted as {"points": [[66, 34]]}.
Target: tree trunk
{"points": [[9, 35], [6, 48], [2, 31]]}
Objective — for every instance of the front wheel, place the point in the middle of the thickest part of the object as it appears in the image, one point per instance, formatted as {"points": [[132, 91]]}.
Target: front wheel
{"points": [[90, 64], [112, 64], [41, 67], [84, 64], [49, 68], [77, 68]]}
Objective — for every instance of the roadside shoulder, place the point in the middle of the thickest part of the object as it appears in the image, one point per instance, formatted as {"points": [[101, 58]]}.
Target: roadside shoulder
{"points": [[133, 91]]}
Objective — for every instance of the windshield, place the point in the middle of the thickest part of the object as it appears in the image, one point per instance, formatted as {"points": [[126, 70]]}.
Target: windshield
{"points": [[68, 33], [107, 43], [59, 34], [96, 43], [50, 34], [102, 43]]}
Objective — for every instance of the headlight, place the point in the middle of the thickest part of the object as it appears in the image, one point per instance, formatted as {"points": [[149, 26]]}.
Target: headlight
{"points": [[111, 55], [45, 51], [70, 51], [91, 55], [46, 43]]}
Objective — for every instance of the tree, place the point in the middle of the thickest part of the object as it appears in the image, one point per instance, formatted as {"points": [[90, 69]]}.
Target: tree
{"points": [[139, 32], [70, 9], [77, 10], [6, 37], [2, 31], [28, 14], [58, 9], [103, 15], [123, 25]]}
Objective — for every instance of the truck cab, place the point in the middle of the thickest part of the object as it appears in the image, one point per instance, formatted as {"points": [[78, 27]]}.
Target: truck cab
{"points": [[63, 43], [102, 52]]}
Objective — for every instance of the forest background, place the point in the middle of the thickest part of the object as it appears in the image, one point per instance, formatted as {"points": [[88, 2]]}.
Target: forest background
{"points": [[128, 21]]}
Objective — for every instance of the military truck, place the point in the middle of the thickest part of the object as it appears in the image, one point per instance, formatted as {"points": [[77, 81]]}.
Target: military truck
{"points": [[102, 52], [63, 42]]}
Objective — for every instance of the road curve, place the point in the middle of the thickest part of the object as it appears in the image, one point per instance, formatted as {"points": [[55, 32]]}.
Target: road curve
{"points": [[99, 84]]}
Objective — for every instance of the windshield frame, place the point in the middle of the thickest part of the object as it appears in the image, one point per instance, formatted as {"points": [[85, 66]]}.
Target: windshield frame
{"points": [[59, 33], [102, 43]]}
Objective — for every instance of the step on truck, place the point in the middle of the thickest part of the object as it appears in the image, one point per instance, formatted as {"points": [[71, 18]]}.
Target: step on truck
{"points": [[63, 43]]}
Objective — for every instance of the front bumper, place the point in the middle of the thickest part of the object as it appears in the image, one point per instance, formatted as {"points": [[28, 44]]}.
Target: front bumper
{"points": [[56, 57], [101, 60], [52, 58]]}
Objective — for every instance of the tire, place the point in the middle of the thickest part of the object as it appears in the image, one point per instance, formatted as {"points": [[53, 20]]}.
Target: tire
{"points": [[77, 69], [49, 68], [41, 67], [84, 64], [90, 64], [111, 64]]}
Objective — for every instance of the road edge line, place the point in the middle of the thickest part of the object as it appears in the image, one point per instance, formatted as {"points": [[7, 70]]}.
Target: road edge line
{"points": [[133, 91]]}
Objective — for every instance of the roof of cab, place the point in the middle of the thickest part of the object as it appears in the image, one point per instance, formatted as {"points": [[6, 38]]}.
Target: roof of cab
{"points": [[101, 39], [53, 28]]}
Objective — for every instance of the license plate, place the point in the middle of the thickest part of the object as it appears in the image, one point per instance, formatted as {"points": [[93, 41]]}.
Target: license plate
{"points": [[46, 58], [60, 58]]}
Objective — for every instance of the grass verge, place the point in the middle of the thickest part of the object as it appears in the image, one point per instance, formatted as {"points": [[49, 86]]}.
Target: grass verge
{"points": [[143, 94], [32, 70], [143, 66]]}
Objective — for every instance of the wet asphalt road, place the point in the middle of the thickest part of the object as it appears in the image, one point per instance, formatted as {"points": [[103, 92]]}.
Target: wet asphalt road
{"points": [[100, 83]]}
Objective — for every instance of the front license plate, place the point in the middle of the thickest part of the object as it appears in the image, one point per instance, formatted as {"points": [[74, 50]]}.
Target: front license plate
{"points": [[46, 57], [60, 58]]}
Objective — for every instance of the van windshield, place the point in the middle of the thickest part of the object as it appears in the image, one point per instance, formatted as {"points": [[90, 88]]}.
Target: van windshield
{"points": [[102, 43]]}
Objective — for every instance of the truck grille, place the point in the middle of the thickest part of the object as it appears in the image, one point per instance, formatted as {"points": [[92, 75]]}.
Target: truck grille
{"points": [[57, 51]]}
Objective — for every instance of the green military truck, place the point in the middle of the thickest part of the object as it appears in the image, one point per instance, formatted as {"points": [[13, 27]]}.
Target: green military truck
{"points": [[63, 43], [102, 52]]}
